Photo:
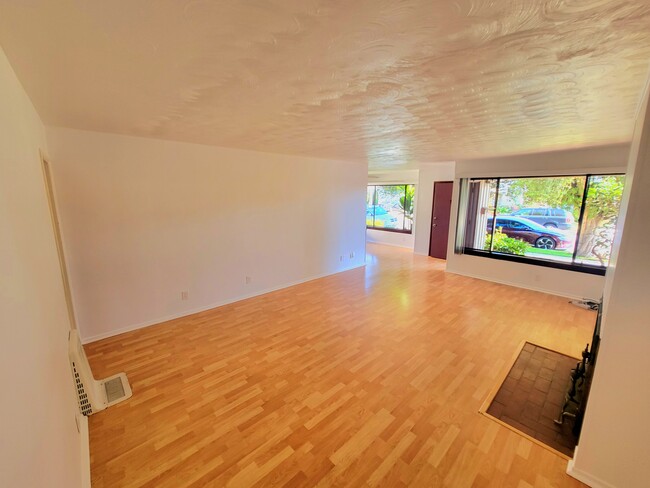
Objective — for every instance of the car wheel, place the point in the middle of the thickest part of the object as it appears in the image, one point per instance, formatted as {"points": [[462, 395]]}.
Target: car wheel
{"points": [[550, 225], [545, 243]]}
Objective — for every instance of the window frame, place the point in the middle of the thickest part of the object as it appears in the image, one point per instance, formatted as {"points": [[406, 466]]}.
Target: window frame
{"points": [[573, 266], [374, 199]]}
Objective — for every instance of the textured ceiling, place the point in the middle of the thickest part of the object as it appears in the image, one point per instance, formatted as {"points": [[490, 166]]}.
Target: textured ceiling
{"points": [[384, 81]]}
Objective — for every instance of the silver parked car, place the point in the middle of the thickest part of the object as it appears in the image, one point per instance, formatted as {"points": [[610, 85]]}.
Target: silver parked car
{"points": [[548, 217]]}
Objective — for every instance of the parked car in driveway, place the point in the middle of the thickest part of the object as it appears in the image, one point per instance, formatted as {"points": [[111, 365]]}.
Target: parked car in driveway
{"points": [[381, 217], [548, 217], [531, 232]]}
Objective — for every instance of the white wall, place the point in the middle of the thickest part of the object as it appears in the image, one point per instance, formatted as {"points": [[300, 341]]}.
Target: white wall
{"points": [[429, 173], [40, 444], [600, 159], [615, 442], [404, 177], [144, 220], [556, 281]]}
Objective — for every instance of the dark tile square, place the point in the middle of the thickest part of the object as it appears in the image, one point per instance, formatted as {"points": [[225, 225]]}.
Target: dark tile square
{"points": [[516, 373], [525, 385], [510, 384], [559, 384], [529, 374], [539, 354], [546, 373], [534, 365], [549, 363], [530, 411], [542, 385], [519, 397], [556, 397], [513, 409], [537, 398]]}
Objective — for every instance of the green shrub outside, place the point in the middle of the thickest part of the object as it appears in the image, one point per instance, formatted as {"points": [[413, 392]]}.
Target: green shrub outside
{"points": [[509, 245]]}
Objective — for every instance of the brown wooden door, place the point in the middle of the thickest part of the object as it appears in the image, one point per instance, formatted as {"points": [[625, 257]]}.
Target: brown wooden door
{"points": [[440, 215]]}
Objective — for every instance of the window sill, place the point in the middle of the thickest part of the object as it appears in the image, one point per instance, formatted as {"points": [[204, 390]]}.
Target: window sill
{"points": [[600, 271], [397, 231]]}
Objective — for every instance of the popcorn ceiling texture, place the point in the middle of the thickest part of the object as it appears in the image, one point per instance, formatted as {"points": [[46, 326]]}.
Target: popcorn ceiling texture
{"points": [[384, 81]]}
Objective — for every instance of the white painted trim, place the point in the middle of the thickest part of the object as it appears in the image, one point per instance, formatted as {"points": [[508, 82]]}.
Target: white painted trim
{"points": [[585, 478], [141, 325], [519, 285]]}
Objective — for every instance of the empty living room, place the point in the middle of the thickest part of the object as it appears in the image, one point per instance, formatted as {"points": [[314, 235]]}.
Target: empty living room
{"points": [[282, 243]]}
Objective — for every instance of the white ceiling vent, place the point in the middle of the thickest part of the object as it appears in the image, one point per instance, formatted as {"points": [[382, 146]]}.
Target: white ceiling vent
{"points": [[94, 396]]}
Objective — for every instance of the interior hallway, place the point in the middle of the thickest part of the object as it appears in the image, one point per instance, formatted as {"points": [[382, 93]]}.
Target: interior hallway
{"points": [[372, 374]]}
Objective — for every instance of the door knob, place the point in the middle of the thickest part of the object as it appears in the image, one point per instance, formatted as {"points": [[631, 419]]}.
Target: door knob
{"points": [[434, 225]]}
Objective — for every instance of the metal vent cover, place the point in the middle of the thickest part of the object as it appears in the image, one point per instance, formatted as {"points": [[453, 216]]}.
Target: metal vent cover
{"points": [[94, 396], [114, 389]]}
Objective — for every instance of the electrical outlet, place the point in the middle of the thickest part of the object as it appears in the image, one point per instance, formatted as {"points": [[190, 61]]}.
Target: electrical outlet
{"points": [[248, 280], [352, 255], [341, 258], [185, 295]]}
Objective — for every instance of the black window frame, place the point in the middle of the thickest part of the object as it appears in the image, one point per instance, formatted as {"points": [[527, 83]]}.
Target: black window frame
{"points": [[374, 199], [581, 268]]}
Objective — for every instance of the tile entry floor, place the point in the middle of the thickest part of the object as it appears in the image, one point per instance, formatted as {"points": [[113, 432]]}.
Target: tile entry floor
{"points": [[532, 396]]}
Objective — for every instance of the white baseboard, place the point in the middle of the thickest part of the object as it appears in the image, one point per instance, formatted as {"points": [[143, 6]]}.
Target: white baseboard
{"points": [[585, 478], [185, 313], [519, 285]]}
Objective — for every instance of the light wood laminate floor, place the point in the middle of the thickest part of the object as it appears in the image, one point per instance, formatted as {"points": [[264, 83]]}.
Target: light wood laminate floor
{"points": [[371, 377]]}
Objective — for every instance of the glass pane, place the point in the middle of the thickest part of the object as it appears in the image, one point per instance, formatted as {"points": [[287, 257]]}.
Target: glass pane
{"points": [[390, 207], [370, 201], [599, 220], [480, 210], [537, 217], [406, 203], [388, 210]]}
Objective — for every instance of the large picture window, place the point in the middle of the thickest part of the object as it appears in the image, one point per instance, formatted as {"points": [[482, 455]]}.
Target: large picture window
{"points": [[560, 221], [390, 207]]}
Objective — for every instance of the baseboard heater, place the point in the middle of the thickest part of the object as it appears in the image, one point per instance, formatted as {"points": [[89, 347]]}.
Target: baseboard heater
{"points": [[94, 396]]}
